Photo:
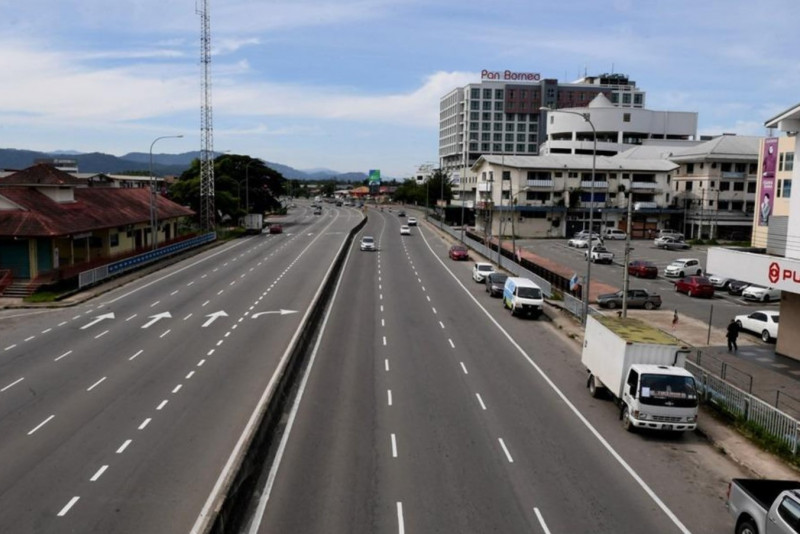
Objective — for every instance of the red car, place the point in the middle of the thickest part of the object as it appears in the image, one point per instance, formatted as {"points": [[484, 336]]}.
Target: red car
{"points": [[458, 253], [275, 229], [643, 269], [695, 286]]}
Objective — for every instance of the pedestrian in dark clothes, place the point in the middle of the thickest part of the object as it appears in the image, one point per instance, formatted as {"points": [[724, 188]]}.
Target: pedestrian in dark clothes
{"points": [[733, 333]]}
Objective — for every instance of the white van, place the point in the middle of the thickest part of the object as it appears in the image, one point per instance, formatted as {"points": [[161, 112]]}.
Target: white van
{"points": [[522, 296], [614, 233]]}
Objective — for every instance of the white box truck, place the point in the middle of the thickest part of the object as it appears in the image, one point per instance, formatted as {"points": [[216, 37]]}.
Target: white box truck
{"points": [[642, 368], [253, 223]]}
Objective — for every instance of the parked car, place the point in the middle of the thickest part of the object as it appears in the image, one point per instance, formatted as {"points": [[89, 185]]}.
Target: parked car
{"points": [[762, 506], [682, 267], [412, 221], [735, 287], [719, 281], [585, 233], [495, 283], [275, 228], [671, 243], [695, 286], [666, 232], [637, 298], [643, 269], [405, 230], [368, 243], [599, 254], [458, 253], [614, 233], [762, 322], [481, 270], [583, 242], [762, 294], [523, 297]]}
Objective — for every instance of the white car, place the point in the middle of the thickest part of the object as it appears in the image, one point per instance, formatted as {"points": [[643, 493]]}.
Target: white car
{"points": [[683, 267], [763, 323], [762, 294], [412, 221], [367, 243], [405, 230], [719, 281], [583, 242], [481, 270]]}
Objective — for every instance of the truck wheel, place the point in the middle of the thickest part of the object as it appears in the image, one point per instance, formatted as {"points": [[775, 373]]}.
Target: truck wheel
{"points": [[593, 389], [746, 527], [626, 420]]}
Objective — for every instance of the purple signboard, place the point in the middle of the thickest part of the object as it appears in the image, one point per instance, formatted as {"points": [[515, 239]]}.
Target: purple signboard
{"points": [[768, 180]]}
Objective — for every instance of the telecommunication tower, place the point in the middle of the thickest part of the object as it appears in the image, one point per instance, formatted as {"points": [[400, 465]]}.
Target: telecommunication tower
{"points": [[206, 123]]}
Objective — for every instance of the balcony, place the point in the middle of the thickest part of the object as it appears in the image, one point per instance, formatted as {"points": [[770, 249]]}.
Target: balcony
{"points": [[649, 186], [540, 183], [587, 184], [734, 175]]}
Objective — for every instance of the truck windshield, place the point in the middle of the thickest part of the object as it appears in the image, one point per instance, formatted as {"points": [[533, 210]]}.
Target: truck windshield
{"points": [[529, 293], [668, 390]]}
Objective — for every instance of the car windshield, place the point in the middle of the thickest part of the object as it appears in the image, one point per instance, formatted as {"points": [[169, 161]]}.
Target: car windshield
{"points": [[367, 240], [667, 390], [529, 293], [485, 268]]}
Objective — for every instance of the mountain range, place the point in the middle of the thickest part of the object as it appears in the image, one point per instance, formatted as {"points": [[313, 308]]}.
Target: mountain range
{"points": [[163, 164]]}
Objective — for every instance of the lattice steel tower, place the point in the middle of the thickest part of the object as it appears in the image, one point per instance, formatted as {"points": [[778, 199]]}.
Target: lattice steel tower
{"points": [[206, 123]]}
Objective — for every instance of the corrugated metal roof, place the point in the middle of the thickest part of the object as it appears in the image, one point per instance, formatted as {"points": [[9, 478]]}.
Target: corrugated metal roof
{"points": [[577, 162], [724, 147], [41, 174], [93, 209]]}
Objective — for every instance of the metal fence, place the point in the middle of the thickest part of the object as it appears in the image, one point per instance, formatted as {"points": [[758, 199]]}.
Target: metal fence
{"points": [[98, 274], [767, 419]]}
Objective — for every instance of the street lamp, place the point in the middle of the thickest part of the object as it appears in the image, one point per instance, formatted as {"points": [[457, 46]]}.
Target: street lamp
{"points": [[153, 210], [586, 117]]}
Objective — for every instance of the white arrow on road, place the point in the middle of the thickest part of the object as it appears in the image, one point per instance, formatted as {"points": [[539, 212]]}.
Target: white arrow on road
{"points": [[155, 318], [282, 312], [98, 319], [213, 317]]}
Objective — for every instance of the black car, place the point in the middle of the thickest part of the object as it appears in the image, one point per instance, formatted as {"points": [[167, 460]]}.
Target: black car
{"points": [[495, 283], [735, 287]]}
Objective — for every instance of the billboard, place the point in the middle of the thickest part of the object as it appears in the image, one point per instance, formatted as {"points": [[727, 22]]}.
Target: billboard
{"points": [[767, 196], [374, 177]]}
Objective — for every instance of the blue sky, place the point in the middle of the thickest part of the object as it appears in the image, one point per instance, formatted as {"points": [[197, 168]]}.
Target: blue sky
{"points": [[353, 85]]}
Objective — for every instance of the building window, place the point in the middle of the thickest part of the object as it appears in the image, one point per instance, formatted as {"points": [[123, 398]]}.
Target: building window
{"points": [[474, 105], [531, 148], [509, 137], [474, 126], [486, 116], [637, 99], [626, 117], [506, 175], [487, 106], [474, 115], [475, 93], [723, 205], [498, 116], [509, 127], [113, 240], [509, 147], [520, 148], [751, 187], [484, 147], [626, 98], [498, 106], [496, 147], [473, 147], [498, 94], [572, 174], [521, 138], [724, 186], [485, 136], [497, 137], [689, 185], [486, 126], [473, 136], [738, 186], [787, 188], [789, 163], [690, 168]]}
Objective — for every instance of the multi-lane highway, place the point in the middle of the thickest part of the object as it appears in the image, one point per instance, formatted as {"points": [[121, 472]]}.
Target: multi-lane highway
{"points": [[427, 408], [122, 414]]}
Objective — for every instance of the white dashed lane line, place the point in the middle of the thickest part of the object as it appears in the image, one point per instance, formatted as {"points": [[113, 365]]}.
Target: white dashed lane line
{"points": [[480, 400], [12, 384], [505, 450]]}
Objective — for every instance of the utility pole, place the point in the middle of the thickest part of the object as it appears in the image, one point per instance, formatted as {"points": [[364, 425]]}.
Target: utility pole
{"points": [[625, 276]]}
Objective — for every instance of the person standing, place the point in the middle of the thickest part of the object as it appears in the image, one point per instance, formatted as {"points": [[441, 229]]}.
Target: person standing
{"points": [[733, 333]]}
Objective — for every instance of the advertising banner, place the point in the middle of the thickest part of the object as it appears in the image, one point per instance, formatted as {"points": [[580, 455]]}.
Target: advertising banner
{"points": [[767, 196], [374, 177]]}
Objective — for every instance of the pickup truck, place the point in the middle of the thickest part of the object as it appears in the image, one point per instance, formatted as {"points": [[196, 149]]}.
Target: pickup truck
{"points": [[600, 254], [764, 506]]}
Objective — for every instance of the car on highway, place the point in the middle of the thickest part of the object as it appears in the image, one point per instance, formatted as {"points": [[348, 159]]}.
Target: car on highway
{"points": [[583, 242], [401, 213], [481, 270], [317, 211], [762, 322], [275, 228], [671, 243], [495, 283], [637, 298], [458, 253], [412, 221], [368, 243], [643, 269], [682, 267], [761, 294], [695, 286], [405, 230], [735, 287]]}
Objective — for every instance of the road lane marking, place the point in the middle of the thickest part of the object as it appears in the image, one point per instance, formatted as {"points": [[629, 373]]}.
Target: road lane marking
{"points": [[206, 302], [401, 524], [541, 520], [90, 388], [156, 303], [383, 322], [63, 355], [162, 404], [10, 347], [200, 363], [389, 395], [14, 383], [62, 323], [69, 505], [174, 293], [46, 330], [177, 388], [190, 375], [441, 324], [387, 364], [135, 355], [452, 345], [505, 450], [187, 317], [40, 425], [464, 368], [98, 474], [124, 446], [145, 423], [164, 334], [131, 317], [101, 334], [394, 446], [434, 310], [29, 338], [384, 341], [480, 400]]}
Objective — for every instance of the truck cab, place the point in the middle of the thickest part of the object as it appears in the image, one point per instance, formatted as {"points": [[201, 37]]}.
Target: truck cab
{"points": [[659, 397]]}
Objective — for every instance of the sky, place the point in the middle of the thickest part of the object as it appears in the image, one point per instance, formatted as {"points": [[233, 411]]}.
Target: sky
{"points": [[353, 85]]}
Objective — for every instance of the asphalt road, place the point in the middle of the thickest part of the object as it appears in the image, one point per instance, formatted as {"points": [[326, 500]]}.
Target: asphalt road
{"points": [[428, 408], [120, 415]]}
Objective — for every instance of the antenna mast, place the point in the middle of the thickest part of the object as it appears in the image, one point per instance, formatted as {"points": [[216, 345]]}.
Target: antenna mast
{"points": [[206, 123]]}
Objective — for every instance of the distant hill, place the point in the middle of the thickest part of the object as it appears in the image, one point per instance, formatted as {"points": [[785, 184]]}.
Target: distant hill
{"points": [[175, 164]]}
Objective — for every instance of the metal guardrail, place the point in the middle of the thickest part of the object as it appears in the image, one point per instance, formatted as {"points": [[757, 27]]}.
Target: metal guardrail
{"points": [[98, 274], [770, 420]]}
